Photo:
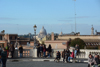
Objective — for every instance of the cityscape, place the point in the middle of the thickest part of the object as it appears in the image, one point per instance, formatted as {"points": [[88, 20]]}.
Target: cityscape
{"points": [[49, 33]]}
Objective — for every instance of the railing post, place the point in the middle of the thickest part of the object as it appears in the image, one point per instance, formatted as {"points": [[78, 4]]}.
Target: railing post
{"points": [[16, 53], [86, 53]]}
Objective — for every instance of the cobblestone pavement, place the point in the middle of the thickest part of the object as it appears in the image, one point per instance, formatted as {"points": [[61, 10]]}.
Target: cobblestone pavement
{"points": [[43, 64]]}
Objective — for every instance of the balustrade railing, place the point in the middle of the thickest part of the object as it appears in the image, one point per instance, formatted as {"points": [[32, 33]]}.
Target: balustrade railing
{"points": [[30, 52]]}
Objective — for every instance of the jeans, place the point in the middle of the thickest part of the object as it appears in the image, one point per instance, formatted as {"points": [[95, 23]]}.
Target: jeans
{"points": [[69, 58], [44, 54], [21, 54], [49, 54], [75, 53], [3, 62], [0, 60]]}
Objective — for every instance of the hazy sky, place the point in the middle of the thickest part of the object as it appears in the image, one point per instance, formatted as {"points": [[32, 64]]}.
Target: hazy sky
{"points": [[19, 16]]}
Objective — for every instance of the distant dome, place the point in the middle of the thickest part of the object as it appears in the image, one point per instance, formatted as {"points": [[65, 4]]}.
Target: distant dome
{"points": [[42, 33]]}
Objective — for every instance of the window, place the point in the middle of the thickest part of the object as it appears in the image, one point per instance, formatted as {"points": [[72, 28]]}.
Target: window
{"points": [[15, 37], [10, 37], [0, 37]]}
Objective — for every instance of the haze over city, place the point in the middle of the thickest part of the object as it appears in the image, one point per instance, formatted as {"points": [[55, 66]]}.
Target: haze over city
{"points": [[19, 16]]}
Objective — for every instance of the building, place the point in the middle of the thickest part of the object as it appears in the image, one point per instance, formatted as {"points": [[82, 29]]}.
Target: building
{"points": [[61, 41], [14, 39]]}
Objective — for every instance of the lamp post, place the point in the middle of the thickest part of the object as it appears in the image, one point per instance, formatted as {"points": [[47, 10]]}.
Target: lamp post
{"points": [[35, 36]]}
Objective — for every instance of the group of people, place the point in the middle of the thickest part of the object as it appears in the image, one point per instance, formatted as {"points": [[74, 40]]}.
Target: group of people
{"points": [[67, 54], [94, 60], [42, 51], [4, 53]]}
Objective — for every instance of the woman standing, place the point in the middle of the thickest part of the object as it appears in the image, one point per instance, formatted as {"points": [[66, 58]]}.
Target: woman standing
{"points": [[44, 50], [49, 50]]}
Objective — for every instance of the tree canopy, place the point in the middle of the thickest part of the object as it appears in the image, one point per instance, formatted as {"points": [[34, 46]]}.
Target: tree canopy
{"points": [[78, 41]]}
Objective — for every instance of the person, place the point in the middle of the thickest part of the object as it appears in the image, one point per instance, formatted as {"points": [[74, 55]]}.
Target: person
{"points": [[96, 61], [38, 50], [76, 50], [12, 49], [49, 50], [58, 56], [44, 51], [71, 56], [0, 54], [41, 50], [63, 55], [90, 60], [67, 54], [4, 57], [21, 51], [7, 49]]}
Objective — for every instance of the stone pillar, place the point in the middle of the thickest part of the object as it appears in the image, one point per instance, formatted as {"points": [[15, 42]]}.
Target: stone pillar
{"points": [[87, 53], [33, 53]]}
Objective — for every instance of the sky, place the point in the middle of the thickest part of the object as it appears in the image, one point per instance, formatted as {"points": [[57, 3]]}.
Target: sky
{"points": [[19, 16]]}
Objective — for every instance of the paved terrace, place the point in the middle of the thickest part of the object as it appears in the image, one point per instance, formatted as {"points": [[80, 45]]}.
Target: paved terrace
{"points": [[43, 64]]}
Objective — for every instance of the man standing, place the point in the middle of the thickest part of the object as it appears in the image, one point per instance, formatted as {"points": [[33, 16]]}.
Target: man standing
{"points": [[21, 51], [76, 50], [4, 57], [67, 54]]}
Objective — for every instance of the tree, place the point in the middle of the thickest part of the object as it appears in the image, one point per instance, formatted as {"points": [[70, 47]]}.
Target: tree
{"points": [[78, 41]]}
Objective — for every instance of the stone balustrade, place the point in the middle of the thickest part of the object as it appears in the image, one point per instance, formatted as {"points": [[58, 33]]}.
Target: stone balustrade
{"points": [[83, 52], [33, 53]]}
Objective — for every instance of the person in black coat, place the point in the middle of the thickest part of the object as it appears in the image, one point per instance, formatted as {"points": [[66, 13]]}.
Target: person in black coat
{"points": [[21, 51], [12, 49], [49, 50], [67, 54], [63, 55], [96, 60], [58, 56], [38, 50]]}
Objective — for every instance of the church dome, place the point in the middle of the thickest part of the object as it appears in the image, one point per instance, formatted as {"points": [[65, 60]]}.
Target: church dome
{"points": [[43, 31]]}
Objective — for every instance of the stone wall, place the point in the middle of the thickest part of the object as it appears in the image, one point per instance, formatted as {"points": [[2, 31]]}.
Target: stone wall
{"points": [[81, 37], [56, 44]]}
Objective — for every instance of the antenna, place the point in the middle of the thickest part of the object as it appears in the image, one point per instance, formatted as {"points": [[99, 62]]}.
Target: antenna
{"points": [[75, 15]]}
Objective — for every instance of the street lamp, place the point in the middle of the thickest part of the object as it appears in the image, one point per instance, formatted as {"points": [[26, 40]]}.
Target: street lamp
{"points": [[35, 36]]}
